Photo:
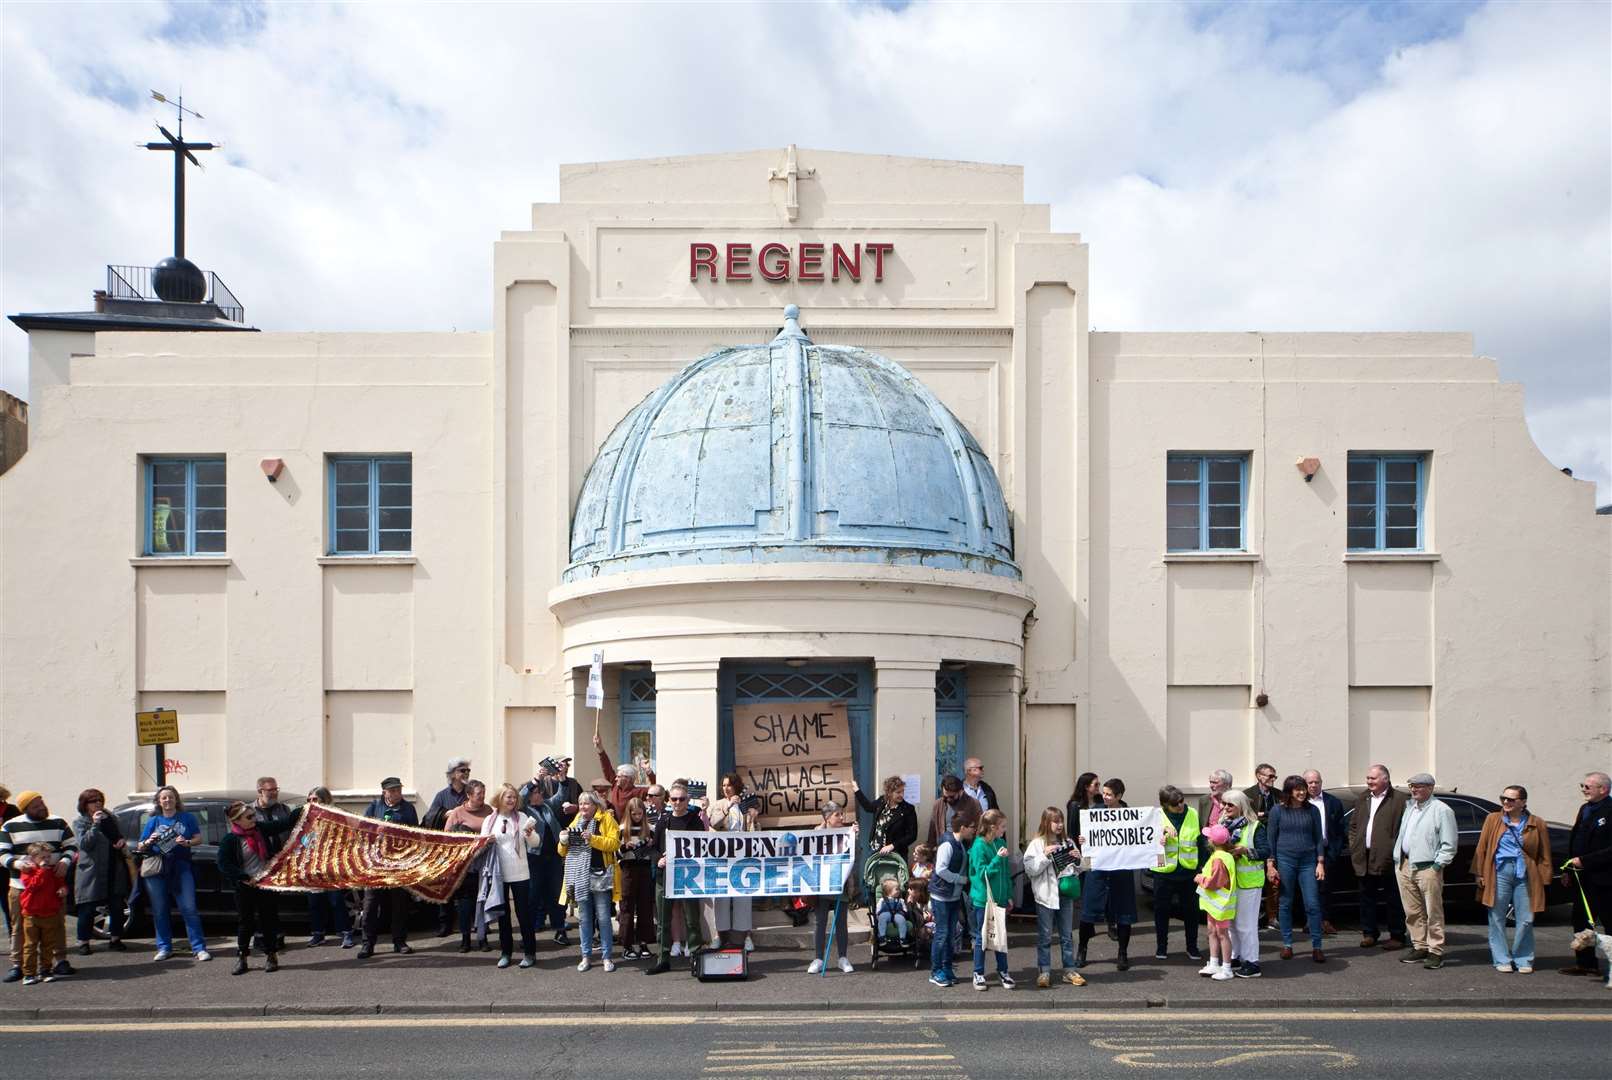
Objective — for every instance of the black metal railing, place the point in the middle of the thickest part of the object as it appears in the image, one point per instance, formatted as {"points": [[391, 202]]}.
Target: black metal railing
{"points": [[134, 283]]}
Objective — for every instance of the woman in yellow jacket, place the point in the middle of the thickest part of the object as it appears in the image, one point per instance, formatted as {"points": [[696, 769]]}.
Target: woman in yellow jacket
{"points": [[589, 847]]}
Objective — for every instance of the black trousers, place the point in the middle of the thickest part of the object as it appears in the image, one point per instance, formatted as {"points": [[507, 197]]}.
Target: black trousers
{"points": [[1175, 898], [1380, 888], [1600, 898], [397, 905], [256, 911], [548, 876]]}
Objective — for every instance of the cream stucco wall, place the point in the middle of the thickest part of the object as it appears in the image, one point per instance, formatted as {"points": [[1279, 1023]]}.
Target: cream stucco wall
{"points": [[1484, 659]]}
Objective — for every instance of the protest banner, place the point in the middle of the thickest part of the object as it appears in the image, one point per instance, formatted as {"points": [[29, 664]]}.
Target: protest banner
{"points": [[796, 755], [808, 862], [332, 849], [1122, 837]]}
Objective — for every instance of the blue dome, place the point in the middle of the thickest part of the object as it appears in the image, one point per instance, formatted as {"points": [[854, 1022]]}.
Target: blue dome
{"points": [[790, 452]]}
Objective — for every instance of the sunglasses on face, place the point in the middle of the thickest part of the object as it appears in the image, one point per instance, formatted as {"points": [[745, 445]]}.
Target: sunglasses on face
{"points": [[1509, 798], [680, 798]]}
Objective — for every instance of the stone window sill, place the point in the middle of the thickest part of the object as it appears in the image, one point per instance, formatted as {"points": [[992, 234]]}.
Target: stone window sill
{"points": [[181, 560], [1212, 556], [1392, 556], [366, 560]]}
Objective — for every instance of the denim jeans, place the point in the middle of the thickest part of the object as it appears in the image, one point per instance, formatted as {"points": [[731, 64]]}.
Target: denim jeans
{"points": [[327, 913], [940, 949], [976, 922], [1298, 876], [176, 884], [1062, 920], [887, 920], [594, 909], [1511, 891]]}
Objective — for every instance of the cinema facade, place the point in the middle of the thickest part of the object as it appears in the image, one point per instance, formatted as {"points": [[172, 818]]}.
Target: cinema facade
{"points": [[933, 501]]}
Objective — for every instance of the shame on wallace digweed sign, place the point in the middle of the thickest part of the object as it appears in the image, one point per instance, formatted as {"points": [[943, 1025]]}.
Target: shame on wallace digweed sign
{"points": [[796, 755]]}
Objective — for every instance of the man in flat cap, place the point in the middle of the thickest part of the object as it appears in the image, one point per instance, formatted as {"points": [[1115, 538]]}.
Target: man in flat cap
{"points": [[1425, 846], [393, 808], [447, 800]]}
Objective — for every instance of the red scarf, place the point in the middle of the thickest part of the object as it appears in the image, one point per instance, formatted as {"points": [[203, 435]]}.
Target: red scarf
{"points": [[252, 838]]}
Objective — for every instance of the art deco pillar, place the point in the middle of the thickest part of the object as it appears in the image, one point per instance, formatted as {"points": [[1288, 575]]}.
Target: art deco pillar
{"points": [[686, 714], [904, 724]]}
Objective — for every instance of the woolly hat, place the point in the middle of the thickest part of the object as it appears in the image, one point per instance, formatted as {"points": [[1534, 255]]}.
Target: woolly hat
{"points": [[1217, 834], [25, 798]]}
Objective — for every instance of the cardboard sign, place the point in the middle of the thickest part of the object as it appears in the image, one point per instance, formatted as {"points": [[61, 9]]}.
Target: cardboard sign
{"points": [[810, 862], [796, 755], [157, 727], [1123, 837]]}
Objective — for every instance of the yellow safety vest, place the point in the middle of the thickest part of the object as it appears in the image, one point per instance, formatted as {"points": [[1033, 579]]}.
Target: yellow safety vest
{"points": [[1219, 903], [1182, 848], [1250, 871]]}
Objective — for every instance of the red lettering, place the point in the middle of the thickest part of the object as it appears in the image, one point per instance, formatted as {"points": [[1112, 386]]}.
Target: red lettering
{"points": [[852, 266], [779, 269], [738, 262], [811, 263], [879, 251], [701, 255]]}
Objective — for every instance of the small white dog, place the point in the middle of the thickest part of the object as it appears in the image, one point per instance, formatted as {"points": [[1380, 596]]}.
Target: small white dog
{"points": [[1601, 943]]}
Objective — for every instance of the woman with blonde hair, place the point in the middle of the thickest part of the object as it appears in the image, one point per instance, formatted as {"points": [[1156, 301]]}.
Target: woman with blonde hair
{"points": [[514, 834], [590, 845], [1249, 849], [169, 834], [638, 855]]}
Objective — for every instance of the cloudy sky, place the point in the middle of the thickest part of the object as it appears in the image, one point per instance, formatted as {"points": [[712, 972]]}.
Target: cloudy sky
{"points": [[1235, 166]]}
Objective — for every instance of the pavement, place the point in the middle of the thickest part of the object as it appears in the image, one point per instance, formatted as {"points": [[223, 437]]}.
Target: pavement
{"points": [[437, 980], [573, 1041]]}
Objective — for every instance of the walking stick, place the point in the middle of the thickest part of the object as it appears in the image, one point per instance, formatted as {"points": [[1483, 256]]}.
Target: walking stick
{"points": [[828, 939]]}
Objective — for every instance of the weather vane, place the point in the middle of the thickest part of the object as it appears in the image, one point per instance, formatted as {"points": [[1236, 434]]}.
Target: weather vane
{"points": [[178, 278]]}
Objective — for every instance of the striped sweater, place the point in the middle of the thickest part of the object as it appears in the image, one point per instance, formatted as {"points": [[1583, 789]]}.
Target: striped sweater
{"points": [[22, 830]]}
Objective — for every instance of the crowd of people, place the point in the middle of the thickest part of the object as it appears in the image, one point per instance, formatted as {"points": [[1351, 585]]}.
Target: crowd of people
{"points": [[1234, 862]]}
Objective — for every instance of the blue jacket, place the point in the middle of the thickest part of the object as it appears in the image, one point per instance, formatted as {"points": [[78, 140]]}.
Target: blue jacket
{"points": [[1337, 841], [549, 815], [401, 814]]}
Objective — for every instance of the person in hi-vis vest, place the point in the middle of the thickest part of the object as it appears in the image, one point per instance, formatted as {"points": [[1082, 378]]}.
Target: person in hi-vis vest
{"points": [[1173, 894]]}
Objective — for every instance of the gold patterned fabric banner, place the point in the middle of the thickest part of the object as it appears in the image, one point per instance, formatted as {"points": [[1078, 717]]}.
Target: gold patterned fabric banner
{"points": [[332, 849]]}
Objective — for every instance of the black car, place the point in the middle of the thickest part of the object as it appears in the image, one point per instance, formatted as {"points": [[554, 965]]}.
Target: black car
{"points": [[1460, 887]]}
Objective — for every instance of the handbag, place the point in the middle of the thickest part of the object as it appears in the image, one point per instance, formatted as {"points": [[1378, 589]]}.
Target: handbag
{"points": [[151, 866], [1069, 885], [993, 933]]}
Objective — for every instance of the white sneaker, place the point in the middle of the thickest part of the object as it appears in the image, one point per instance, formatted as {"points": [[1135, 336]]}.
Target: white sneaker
{"points": [[585, 964], [979, 982], [1222, 974], [846, 965], [610, 965], [749, 943], [204, 955], [1209, 969], [1504, 969], [815, 967], [677, 948]]}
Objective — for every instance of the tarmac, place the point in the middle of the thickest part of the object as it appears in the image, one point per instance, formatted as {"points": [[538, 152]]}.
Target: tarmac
{"points": [[438, 980]]}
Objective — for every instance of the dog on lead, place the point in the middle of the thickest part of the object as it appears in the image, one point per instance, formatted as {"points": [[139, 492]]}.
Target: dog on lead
{"points": [[1585, 940]]}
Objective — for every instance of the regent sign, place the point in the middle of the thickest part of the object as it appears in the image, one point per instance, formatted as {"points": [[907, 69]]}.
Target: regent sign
{"points": [[807, 261]]}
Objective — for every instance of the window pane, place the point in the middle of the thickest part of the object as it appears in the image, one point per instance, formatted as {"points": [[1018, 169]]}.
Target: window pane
{"points": [[1225, 494], [1362, 494], [357, 518], [1401, 517], [1181, 494], [1221, 539], [1363, 517], [1223, 470], [168, 472], [395, 541], [1401, 538], [396, 472], [1399, 494], [1184, 468], [168, 525], [1226, 517], [352, 495], [352, 472], [352, 540], [1183, 539], [395, 495], [1181, 517], [397, 519], [209, 542], [210, 520], [1400, 471], [209, 472], [1362, 539], [1362, 469]]}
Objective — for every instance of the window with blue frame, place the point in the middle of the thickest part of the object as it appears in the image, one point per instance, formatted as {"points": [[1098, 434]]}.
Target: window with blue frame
{"points": [[1205, 501], [1385, 501], [371, 505], [184, 506]]}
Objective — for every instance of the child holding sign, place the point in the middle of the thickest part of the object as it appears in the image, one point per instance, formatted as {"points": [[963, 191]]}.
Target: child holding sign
{"points": [[1217, 897]]}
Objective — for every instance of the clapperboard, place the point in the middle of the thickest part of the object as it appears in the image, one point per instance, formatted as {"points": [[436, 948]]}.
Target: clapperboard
{"points": [[1064, 857]]}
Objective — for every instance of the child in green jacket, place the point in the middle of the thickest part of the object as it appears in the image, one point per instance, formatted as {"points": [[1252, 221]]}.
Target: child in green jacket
{"points": [[990, 877]]}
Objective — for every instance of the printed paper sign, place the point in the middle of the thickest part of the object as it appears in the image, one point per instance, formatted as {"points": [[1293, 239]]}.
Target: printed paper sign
{"points": [[808, 862], [796, 755], [1122, 837], [596, 682]]}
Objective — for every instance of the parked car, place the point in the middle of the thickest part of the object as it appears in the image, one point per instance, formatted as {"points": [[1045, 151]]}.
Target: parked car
{"points": [[1460, 887]]}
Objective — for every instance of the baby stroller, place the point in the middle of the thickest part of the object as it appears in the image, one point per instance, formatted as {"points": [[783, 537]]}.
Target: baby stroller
{"points": [[878, 870]]}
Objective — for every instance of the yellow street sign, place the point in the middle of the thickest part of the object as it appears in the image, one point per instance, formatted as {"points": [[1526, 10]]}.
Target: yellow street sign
{"points": [[157, 727]]}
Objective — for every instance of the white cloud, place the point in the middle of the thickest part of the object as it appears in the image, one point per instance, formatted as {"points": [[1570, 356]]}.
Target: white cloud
{"points": [[1247, 166]]}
